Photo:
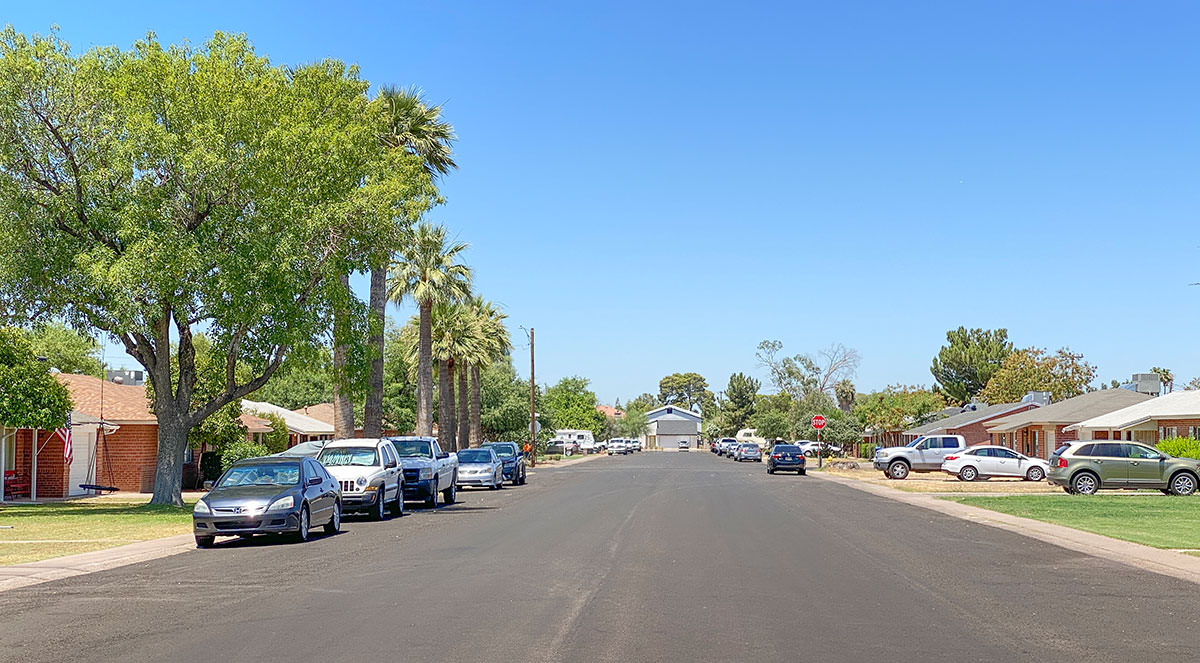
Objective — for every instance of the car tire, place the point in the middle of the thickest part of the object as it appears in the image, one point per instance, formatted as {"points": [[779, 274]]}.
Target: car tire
{"points": [[205, 541], [1183, 484], [1067, 490], [1085, 483], [898, 470], [1164, 491], [523, 477], [302, 532], [381, 507], [1035, 474], [432, 500], [968, 473], [335, 520], [801, 472], [398, 509], [770, 470], [451, 493]]}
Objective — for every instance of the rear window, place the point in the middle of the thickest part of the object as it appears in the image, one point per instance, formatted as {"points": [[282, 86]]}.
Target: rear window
{"points": [[786, 448], [1084, 450]]}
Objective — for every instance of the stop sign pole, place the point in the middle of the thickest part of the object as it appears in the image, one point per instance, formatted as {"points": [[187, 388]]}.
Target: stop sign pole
{"points": [[818, 422]]}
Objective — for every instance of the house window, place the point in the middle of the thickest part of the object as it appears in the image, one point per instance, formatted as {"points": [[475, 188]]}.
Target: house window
{"points": [[1167, 432], [1194, 432]]}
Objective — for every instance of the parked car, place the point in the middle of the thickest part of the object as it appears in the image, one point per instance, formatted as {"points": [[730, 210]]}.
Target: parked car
{"points": [[368, 471], [309, 449], [634, 445], [570, 442], [428, 470], [480, 467], [748, 451], [684, 445], [786, 458], [271, 495], [813, 449], [726, 446], [986, 461], [1087, 466], [618, 446], [717, 446], [514, 461], [924, 454]]}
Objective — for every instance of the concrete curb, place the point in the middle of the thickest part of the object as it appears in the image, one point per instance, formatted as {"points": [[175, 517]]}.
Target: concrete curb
{"points": [[1164, 562], [56, 568]]}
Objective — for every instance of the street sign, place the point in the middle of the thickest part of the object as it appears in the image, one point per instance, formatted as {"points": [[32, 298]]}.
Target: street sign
{"points": [[818, 422]]}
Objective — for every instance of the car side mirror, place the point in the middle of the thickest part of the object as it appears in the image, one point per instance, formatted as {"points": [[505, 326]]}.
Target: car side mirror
{"points": [[314, 481], [443, 455], [390, 464]]}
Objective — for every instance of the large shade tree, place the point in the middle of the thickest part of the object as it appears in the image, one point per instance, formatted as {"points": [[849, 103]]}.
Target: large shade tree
{"points": [[162, 191], [429, 271], [968, 360], [31, 397]]}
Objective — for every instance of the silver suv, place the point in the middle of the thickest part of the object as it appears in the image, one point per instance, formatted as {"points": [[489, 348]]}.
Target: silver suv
{"points": [[924, 454]]}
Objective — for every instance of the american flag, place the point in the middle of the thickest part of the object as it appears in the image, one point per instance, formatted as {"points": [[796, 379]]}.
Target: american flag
{"points": [[65, 434]]}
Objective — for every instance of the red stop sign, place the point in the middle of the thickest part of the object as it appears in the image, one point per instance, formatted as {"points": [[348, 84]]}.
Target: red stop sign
{"points": [[818, 422]]}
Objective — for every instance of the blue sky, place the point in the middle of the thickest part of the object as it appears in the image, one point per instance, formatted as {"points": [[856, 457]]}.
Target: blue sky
{"points": [[656, 187]]}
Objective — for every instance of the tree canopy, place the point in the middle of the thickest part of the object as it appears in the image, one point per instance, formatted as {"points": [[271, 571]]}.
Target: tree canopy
{"points": [[968, 360], [66, 349], [570, 405], [1064, 374], [689, 390], [31, 397], [897, 408]]}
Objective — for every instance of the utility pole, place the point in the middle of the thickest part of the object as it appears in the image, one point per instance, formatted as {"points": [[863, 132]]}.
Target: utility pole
{"points": [[532, 413]]}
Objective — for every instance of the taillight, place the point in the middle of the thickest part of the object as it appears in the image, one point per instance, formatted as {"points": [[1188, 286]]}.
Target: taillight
{"points": [[951, 457], [776, 456], [1062, 462]]}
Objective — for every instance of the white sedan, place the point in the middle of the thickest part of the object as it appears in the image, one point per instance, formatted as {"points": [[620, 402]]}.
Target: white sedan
{"points": [[987, 461]]}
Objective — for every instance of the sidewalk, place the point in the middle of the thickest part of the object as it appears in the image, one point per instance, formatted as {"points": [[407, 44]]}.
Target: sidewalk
{"points": [[1166, 562], [56, 568]]}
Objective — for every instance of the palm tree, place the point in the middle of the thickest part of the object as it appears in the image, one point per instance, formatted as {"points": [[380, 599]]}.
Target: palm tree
{"points": [[497, 344], [416, 127], [457, 338], [429, 271]]}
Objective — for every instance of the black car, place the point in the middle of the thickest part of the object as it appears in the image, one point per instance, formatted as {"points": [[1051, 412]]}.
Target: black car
{"points": [[786, 458], [514, 461], [272, 495]]}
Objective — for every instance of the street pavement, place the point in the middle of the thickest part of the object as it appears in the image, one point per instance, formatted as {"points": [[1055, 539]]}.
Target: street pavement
{"points": [[649, 557]]}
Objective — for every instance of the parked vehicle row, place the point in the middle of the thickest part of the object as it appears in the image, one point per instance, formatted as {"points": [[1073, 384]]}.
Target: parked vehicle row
{"points": [[622, 446], [302, 488]]}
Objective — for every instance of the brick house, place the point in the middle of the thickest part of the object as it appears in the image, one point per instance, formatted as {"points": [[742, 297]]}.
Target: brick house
{"points": [[301, 427], [1176, 414], [1038, 432], [972, 422]]}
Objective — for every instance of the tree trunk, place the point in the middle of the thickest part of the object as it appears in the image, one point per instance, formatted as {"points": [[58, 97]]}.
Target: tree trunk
{"points": [[373, 409], [425, 373], [464, 421], [446, 426], [343, 410], [476, 405], [172, 441]]}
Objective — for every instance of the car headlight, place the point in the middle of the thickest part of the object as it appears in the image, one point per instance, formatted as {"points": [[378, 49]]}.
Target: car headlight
{"points": [[201, 508], [282, 504], [425, 473], [361, 481]]}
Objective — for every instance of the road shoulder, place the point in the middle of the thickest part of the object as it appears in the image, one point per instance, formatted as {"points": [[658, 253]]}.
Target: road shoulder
{"points": [[1165, 562]]}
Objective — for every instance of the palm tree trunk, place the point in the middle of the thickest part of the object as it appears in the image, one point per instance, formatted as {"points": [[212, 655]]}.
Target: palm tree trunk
{"points": [[464, 421], [425, 372], [446, 425], [373, 409], [343, 410], [476, 435]]}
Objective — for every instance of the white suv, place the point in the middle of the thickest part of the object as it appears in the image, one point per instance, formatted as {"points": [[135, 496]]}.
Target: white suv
{"points": [[618, 446], [368, 471]]}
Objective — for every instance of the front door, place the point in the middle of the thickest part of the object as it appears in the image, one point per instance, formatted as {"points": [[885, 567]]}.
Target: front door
{"points": [[1145, 466]]}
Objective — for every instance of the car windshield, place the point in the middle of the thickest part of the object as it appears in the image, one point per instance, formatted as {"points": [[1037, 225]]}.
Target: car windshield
{"points": [[338, 456], [261, 474], [916, 441], [474, 456], [504, 450], [413, 448]]}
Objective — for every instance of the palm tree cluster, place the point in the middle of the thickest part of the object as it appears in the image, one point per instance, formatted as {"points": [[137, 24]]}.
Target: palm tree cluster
{"points": [[459, 330]]}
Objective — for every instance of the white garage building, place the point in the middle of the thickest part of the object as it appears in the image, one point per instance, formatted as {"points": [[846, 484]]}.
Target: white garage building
{"points": [[671, 424]]}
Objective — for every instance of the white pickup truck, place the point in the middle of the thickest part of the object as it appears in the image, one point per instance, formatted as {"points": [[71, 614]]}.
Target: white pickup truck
{"points": [[924, 454], [427, 470]]}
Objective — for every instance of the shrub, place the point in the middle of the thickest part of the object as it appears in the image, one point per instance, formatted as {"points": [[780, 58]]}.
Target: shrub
{"points": [[1184, 447], [239, 450], [210, 466]]}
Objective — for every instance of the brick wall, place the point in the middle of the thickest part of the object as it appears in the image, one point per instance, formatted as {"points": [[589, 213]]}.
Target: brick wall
{"points": [[52, 470], [1182, 426], [126, 458]]}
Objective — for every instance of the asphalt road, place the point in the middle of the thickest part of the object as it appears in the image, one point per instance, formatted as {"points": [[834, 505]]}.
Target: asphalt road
{"points": [[650, 557]]}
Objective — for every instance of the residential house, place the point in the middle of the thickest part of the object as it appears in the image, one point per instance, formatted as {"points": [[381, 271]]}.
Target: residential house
{"points": [[1039, 432], [1176, 414], [301, 427], [669, 425], [973, 420]]}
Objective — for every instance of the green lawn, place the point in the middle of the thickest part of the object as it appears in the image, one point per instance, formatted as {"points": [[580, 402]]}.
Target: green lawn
{"points": [[1152, 520], [42, 531]]}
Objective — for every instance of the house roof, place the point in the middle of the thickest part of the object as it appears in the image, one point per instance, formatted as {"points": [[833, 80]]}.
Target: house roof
{"points": [[674, 409], [1175, 405], [610, 411], [1071, 410], [118, 403], [981, 413], [296, 422], [254, 424], [320, 412]]}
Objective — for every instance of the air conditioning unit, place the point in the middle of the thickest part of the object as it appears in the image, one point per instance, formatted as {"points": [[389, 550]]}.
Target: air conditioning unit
{"points": [[1147, 383]]}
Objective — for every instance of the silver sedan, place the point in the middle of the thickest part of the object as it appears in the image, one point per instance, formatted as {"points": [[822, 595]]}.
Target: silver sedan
{"points": [[480, 467]]}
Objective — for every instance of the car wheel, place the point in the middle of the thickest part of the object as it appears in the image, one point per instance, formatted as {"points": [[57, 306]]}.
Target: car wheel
{"points": [[1067, 490], [1164, 491], [205, 541], [398, 510], [1183, 484], [302, 531], [451, 493], [380, 505], [898, 470], [801, 472], [770, 470], [1085, 483], [335, 521], [432, 500], [1035, 474], [523, 477], [968, 473]]}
